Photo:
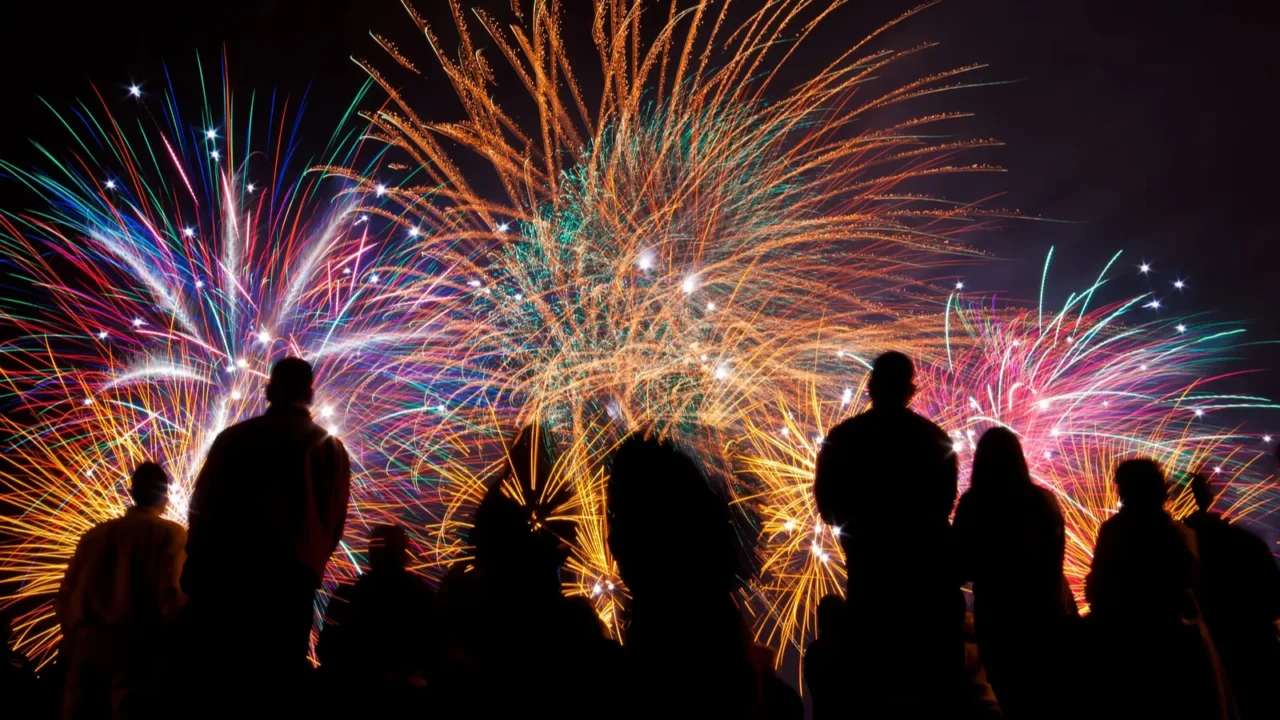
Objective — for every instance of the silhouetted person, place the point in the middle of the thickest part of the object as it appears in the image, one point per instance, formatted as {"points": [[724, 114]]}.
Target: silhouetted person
{"points": [[822, 667], [1154, 654], [19, 690], [1010, 541], [1240, 597], [535, 651], [117, 599], [688, 651], [382, 635], [887, 480], [267, 511]]}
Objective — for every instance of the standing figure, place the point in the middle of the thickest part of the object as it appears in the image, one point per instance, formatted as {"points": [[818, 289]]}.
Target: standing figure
{"points": [[1010, 541], [886, 482], [117, 600], [1240, 596], [1152, 650], [382, 636], [267, 511]]}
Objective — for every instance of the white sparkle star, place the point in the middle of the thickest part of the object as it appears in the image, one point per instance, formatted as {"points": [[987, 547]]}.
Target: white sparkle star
{"points": [[959, 285], [111, 184], [215, 155], [1181, 328], [135, 91], [1144, 268], [211, 134], [1179, 284]]}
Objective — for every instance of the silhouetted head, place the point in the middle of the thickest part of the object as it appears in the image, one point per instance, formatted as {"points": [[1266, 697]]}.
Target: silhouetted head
{"points": [[510, 550], [998, 462], [1201, 491], [1140, 483], [388, 547], [149, 486], [668, 531], [290, 382], [892, 382], [830, 614]]}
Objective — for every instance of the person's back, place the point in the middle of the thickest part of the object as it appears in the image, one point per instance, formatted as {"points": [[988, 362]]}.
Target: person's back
{"points": [[887, 480], [1010, 541], [1240, 598], [688, 653], [548, 652], [382, 634], [117, 598], [1142, 592], [267, 511]]}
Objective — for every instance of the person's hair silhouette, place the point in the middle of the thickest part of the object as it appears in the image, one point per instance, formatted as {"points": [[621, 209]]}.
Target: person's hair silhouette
{"points": [[149, 485], [998, 462], [290, 382], [656, 494], [892, 381], [388, 547], [1141, 485]]}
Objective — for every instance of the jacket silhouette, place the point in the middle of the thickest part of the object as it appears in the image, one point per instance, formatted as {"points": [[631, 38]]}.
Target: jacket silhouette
{"points": [[1146, 617], [886, 481], [382, 635], [118, 596], [1240, 598], [1010, 542], [267, 511]]}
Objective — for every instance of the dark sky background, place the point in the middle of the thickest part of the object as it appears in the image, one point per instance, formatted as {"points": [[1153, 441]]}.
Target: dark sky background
{"points": [[1145, 125]]}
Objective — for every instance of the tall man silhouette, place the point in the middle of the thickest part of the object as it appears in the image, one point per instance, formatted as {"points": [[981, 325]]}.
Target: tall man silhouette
{"points": [[267, 511], [886, 482]]}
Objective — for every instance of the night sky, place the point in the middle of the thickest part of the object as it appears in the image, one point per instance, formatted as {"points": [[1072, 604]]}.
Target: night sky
{"points": [[1141, 125]]}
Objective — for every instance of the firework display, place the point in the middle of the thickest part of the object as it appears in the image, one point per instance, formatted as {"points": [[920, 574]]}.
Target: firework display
{"points": [[688, 246], [169, 263]]}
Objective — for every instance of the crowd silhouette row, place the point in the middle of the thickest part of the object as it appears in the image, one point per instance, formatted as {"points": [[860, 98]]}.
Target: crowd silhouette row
{"points": [[214, 620]]}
